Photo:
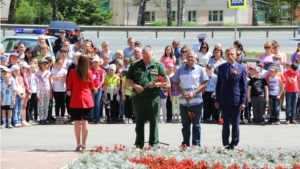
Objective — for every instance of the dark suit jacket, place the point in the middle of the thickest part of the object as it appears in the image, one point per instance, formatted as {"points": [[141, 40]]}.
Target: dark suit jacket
{"points": [[231, 92]]}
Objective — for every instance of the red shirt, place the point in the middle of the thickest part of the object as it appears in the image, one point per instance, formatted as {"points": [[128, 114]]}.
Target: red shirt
{"points": [[291, 87], [81, 96], [97, 76]]}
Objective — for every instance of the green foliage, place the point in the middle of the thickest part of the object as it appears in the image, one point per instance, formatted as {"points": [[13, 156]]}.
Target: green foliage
{"points": [[230, 24], [164, 23], [83, 12], [25, 13]]}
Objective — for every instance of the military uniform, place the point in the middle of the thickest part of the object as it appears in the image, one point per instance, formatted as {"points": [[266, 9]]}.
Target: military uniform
{"points": [[146, 102]]}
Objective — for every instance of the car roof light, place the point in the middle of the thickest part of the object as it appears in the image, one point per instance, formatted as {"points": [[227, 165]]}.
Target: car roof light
{"points": [[29, 31]]}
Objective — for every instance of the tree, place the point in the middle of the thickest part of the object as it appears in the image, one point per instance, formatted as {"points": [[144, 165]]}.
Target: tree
{"points": [[141, 15], [25, 13], [169, 12], [11, 11], [293, 4], [182, 12], [54, 11], [254, 14], [179, 12]]}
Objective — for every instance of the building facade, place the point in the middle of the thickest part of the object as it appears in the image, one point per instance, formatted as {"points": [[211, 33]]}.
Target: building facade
{"points": [[205, 12]]}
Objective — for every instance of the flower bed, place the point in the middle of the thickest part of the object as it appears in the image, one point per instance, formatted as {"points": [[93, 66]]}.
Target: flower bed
{"points": [[187, 158]]}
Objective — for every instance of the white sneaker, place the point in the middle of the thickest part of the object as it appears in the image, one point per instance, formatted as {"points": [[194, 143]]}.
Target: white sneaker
{"points": [[33, 123], [26, 124], [126, 120], [3, 126]]}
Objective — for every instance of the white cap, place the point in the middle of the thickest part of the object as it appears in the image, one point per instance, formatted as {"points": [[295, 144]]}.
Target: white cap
{"points": [[24, 64], [14, 67], [112, 67], [201, 36], [77, 54], [96, 59]]}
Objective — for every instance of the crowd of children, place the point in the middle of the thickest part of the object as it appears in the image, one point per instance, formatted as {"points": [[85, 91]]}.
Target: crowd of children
{"points": [[32, 85]]}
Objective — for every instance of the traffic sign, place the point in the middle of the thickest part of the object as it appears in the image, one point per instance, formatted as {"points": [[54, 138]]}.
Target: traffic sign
{"points": [[234, 4]]}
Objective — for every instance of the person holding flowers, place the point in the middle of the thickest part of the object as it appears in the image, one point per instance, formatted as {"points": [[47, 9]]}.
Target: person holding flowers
{"points": [[190, 81], [146, 77]]}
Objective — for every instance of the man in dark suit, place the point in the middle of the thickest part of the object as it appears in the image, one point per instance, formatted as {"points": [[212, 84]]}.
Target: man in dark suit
{"points": [[231, 97]]}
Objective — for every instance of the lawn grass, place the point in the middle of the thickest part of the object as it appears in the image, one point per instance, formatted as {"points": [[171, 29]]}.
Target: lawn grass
{"points": [[256, 55]]}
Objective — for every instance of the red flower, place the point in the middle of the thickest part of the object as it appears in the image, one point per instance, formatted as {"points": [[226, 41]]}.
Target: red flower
{"points": [[279, 148], [221, 121], [160, 79]]}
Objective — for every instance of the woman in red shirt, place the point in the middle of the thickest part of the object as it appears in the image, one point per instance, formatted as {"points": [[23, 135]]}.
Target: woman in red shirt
{"points": [[79, 85]]}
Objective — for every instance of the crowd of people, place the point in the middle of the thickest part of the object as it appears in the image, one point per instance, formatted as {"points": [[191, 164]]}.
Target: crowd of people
{"points": [[33, 82]]}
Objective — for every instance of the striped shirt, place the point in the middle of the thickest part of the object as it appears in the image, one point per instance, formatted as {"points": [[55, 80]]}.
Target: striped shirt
{"points": [[190, 79]]}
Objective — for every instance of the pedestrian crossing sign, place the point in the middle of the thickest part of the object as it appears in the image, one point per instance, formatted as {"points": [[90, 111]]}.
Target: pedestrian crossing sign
{"points": [[233, 4]]}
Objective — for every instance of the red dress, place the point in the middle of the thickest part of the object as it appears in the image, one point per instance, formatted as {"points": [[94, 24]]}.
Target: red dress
{"points": [[81, 96]]}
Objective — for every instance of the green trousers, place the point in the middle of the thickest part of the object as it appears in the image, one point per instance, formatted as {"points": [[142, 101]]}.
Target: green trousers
{"points": [[143, 107]]}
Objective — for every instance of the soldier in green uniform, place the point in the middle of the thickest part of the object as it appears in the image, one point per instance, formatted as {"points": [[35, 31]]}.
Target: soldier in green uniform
{"points": [[142, 76]]}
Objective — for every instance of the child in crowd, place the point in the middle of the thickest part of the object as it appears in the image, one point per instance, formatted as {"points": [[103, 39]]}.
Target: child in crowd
{"points": [[278, 59], [137, 44], [210, 111], [58, 75], [20, 95], [174, 98], [291, 77], [163, 95], [111, 88], [24, 67], [98, 76], [8, 95], [105, 64], [126, 97], [44, 90], [275, 90], [258, 95], [3, 60], [32, 102], [119, 65]]}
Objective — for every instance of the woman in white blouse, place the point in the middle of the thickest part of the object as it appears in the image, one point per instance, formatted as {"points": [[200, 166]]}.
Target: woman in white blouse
{"points": [[217, 60], [204, 54]]}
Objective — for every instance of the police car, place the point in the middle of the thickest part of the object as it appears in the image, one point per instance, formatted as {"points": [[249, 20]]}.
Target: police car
{"points": [[27, 36]]}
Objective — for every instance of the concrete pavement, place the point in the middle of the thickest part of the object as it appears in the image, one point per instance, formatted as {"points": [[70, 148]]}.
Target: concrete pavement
{"points": [[52, 146]]}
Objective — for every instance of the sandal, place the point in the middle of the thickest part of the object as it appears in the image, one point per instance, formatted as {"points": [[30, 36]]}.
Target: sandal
{"points": [[83, 147], [78, 147]]}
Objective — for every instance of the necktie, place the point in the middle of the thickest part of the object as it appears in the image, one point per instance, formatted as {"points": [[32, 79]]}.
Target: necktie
{"points": [[229, 72]]}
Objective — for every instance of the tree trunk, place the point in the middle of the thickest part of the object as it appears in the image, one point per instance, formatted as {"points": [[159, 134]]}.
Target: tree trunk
{"points": [[11, 11], [54, 12], [254, 13], [141, 15], [182, 12], [144, 13], [169, 13], [178, 12]]}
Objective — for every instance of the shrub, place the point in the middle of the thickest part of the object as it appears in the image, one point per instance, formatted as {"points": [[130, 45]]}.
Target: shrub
{"points": [[25, 13]]}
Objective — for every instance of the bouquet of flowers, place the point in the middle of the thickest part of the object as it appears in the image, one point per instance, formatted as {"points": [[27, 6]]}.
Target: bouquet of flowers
{"points": [[190, 114], [158, 79]]}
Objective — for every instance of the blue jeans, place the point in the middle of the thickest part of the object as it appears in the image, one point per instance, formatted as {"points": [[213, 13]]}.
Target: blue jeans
{"points": [[95, 116], [291, 105], [274, 105], [17, 110], [186, 124], [121, 106]]}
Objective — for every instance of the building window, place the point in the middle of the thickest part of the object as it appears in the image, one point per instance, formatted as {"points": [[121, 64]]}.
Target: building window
{"points": [[174, 16], [192, 16], [150, 17], [215, 16]]}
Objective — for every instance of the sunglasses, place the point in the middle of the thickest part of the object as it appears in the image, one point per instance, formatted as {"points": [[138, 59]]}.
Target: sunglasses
{"points": [[275, 47], [204, 47], [267, 47], [184, 51]]}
